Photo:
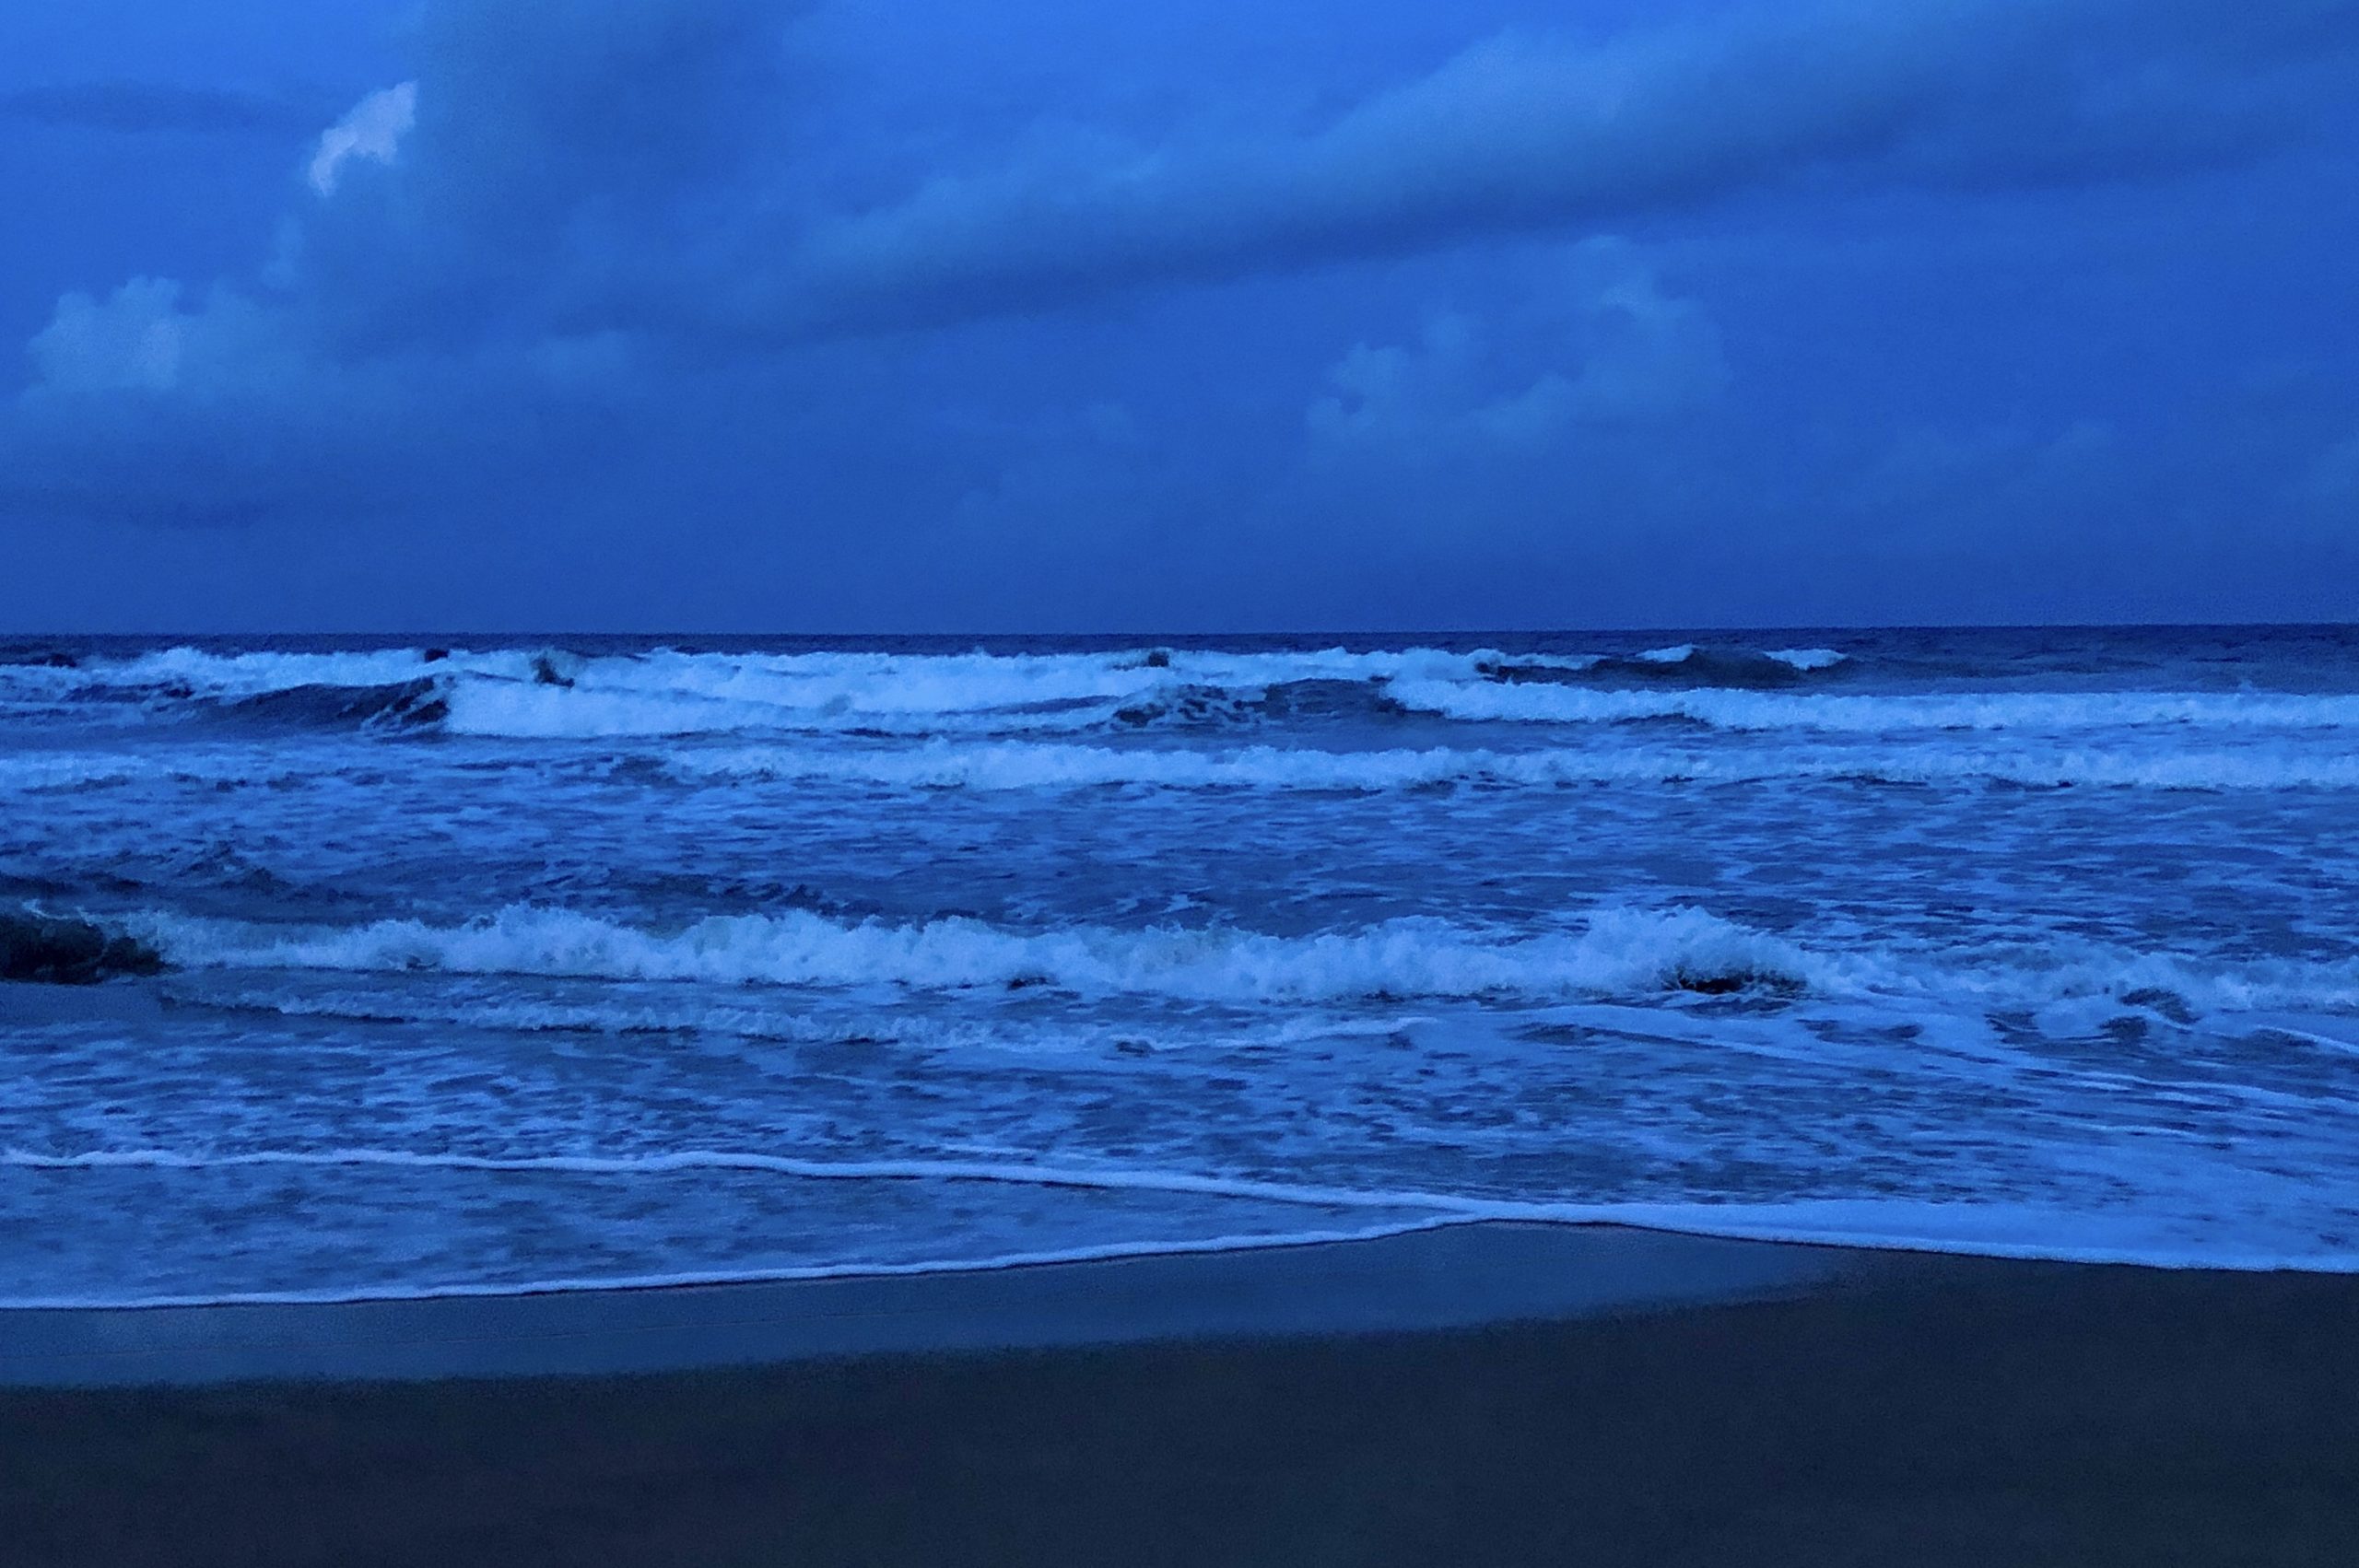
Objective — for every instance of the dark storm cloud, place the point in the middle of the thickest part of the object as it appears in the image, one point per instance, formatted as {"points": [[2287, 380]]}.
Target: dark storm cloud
{"points": [[1522, 135], [140, 107], [445, 286], [567, 167], [644, 165], [578, 209]]}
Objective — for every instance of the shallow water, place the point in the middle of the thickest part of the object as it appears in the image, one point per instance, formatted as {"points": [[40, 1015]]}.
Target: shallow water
{"points": [[603, 961]]}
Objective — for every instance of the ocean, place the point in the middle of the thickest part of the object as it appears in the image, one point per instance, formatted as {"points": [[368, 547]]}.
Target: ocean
{"points": [[503, 965]]}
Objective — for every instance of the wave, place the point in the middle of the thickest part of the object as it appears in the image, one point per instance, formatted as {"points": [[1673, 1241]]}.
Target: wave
{"points": [[55, 951], [1618, 952], [1880, 714], [1018, 764], [993, 765], [1686, 665], [406, 703], [1483, 691], [552, 693], [1614, 952]]}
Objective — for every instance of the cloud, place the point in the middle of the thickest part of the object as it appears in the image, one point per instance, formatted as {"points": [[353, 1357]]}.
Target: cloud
{"points": [[562, 207], [152, 406], [372, 131], [134, 340], [1526, 134], [453, 278], [1650, 354], [561, 170], [140, 108], [1631, 353]]}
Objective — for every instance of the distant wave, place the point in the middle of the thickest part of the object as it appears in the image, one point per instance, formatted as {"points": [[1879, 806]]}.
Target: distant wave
{"points": [[1687, 664], [550, 693], [1881, 714], [1614, 952]]}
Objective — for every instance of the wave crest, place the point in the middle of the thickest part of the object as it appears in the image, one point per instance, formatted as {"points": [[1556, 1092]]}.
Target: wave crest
{"points": [[1618, 951], [1613, 951]]}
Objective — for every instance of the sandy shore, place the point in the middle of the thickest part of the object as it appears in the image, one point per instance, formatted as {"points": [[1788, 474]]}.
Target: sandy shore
{"points": [[1458, 1277], [1468, 1397]]}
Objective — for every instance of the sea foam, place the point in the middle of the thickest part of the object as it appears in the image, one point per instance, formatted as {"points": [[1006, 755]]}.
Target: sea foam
{"points": [[1883, 714], [1613, 951], [1616, 951]]}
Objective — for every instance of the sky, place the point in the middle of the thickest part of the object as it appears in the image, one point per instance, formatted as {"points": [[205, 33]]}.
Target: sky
{"points": [[1050, 315]]}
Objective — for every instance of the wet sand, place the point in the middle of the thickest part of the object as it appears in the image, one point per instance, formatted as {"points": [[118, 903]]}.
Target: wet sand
{"points": [[1482, 1396]]}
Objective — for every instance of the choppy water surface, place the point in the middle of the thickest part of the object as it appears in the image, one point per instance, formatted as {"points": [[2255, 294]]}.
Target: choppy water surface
{"points": [[505, 965]]}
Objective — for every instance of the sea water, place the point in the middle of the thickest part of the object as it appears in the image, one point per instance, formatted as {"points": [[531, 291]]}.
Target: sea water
{"points": [[495, 964]]}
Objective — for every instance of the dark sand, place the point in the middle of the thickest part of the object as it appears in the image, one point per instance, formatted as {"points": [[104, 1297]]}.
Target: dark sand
{"points": [[1855, 1409]]}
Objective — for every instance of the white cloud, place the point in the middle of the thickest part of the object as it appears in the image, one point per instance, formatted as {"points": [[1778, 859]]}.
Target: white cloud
{"points": [[132, 341], [373, 132]]}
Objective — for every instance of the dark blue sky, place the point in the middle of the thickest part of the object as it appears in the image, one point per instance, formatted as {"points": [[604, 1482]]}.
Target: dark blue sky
{"points": [[1051, 315]]}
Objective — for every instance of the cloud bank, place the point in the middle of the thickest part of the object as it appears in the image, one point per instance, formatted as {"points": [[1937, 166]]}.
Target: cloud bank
{"points": [[1523, 134], [619, 237]]}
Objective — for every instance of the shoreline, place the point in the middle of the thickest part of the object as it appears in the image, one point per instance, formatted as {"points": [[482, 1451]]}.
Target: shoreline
{"points": [[1482, 1394], [1452, 1275]]}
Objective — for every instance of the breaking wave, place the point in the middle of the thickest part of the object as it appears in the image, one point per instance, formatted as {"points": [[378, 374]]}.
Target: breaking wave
{"points": [[1685, 665], [552, 693], [1614, 952], [1881, 714], [1618, 951]]}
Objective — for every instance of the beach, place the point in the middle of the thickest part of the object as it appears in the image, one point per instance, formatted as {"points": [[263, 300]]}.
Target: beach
{"points": [[789, 784], [1809, 1098], [1481, 1395]]}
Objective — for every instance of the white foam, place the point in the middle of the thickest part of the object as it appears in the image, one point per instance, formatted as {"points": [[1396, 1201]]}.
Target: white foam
{"points": [[673, 694], [1617, 951], [499, 692], [1613, 951], [1807, 658], [1859, 714], [233, 676]]}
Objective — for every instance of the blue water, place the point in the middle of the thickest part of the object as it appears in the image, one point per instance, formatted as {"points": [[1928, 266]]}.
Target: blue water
{"points": [[506, 964]]}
